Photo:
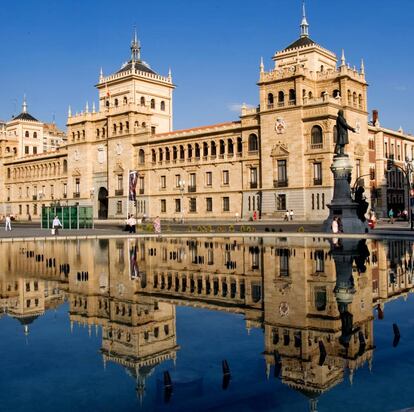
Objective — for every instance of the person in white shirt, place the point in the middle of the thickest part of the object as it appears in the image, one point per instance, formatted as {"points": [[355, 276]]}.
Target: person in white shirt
{"points": [[56, 225], [8, 223], [291, 214]]}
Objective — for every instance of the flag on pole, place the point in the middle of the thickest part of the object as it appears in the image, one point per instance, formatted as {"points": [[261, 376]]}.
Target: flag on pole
{"points": [[133, 178], [133, 264]]}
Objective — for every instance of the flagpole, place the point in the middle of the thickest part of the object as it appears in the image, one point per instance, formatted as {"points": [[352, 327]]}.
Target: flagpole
{"points": [[129, 177]]}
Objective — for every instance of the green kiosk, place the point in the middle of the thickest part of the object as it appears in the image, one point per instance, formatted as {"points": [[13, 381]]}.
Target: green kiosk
{"points": [[71, 217]]}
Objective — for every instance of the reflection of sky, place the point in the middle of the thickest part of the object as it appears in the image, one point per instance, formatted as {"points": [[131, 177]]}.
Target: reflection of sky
{"points": [[54, 370]]}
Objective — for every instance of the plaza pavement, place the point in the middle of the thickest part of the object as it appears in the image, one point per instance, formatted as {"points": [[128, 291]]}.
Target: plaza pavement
{"points": [[269, 228]]}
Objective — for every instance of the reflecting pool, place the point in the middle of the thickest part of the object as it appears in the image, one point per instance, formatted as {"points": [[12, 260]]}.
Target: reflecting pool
{"points": [[214, 324]]}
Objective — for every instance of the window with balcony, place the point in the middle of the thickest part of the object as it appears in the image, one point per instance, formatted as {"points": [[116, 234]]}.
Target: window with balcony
{"points": [[253, 178], [316, 137], [270, 101], [253, 143], [282, 180], [119, 185]]}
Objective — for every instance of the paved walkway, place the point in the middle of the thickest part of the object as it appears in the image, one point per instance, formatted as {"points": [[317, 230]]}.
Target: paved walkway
{"points": [[31, 230]]}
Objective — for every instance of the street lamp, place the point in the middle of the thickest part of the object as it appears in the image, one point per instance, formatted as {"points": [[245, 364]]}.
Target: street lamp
{"points": [[181, 184]]}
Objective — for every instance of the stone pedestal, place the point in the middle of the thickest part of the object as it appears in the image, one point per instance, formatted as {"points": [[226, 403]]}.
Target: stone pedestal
{"points": [[342, 204]]}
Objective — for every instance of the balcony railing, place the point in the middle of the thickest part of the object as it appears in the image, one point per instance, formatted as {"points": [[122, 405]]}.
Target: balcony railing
{"points": [[192, 189], [317, 181], [119, 192], [316, 146], [280, 183], [76, 195], [253, 185]]}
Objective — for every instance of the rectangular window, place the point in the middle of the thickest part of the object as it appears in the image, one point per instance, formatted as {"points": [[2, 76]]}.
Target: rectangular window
{"points": [[178, 205], [34, 150], [20, 192], [209, 178], [320, 261], [119, 207], [153, 130], [282, 173], [163, 206], [20, 209], [26, 150], [177, 180], [193, 205], [163, 182], [209, 204], [193, 183], [120, 181], [226, 204], [283, 262], [253, 177], [35, 209], [281, 202], [317, 173], [226, 177], [77, 185], [141, 185], [65, 190]]}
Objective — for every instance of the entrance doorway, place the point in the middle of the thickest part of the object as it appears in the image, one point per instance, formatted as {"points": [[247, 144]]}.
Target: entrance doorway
{"points": [[103, 203]]}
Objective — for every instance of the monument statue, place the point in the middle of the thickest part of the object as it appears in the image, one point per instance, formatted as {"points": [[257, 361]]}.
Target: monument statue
{"points": [[342, 128]]}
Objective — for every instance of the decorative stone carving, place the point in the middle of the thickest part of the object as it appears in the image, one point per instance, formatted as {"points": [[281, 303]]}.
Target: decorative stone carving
{"points": [[280, 126], [280, 150]]}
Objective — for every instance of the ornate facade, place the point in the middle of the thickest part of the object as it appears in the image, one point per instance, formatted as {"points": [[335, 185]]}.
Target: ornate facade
{"points": [[276, 157]]}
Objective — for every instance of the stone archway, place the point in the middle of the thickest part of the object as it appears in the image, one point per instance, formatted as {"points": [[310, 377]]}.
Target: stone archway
{"points": [[103, 203]]}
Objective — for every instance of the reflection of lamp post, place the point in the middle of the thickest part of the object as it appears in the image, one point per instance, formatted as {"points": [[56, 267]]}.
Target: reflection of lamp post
{"points": [[181, 184]]}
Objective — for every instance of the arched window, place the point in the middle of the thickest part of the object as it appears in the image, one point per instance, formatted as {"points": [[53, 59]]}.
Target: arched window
{"points": [[322, 67], [175, 153], [83, 134], [78, 134], [107, 103], [182, 152], [142, 101], [310, 95], [354, 98], [253, 143], [125, 100], [97, 132], [316, 136], [136, 123], [121, 126], [167, 154], [349, 97], [35, 133], [65, 165], [292, 96], [160, 155], [26, 134], [152, 103], [153, 156], [360, 101], [230, 147], [141, 156], [127, 125], [197, 150], [239, 145], [114, 127], [162, 105], [270, 101], [116, 102], [103, 131], [222, 147], [336, 93], [205, 149], [73, 135], [213, 149], [281, 98], [144, 125]]}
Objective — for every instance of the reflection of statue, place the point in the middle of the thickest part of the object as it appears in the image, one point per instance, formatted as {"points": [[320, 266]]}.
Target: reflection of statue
{"points": [[342, 128], [362, 203]]}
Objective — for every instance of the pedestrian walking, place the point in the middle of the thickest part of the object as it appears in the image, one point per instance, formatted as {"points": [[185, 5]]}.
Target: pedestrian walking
{"points": [[56, 225], [8, 223], [286, 218], [132, 224], [391, 215], [291, 214], [157, 225]]}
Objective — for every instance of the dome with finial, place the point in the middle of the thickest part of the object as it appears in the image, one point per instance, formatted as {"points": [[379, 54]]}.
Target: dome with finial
{"points": [[24, 115]]}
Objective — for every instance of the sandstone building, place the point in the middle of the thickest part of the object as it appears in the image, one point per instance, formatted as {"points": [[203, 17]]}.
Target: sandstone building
{"points": [[276, 157]]}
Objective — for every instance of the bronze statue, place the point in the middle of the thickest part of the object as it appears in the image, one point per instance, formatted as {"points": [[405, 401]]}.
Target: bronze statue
{"points": [[342, 128]]}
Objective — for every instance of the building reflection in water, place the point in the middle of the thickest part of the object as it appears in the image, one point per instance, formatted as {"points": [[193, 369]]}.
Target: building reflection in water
{"points": [[314, 300]]}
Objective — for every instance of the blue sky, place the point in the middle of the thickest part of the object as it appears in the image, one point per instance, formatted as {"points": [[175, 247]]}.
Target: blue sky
{"points": [[53, 50]]}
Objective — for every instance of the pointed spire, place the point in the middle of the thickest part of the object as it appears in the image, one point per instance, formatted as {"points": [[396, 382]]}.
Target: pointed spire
{"points": [[93, 107], [261, 65], [169, 73], [69, 111], [362, 71], [135, 48], [343, 63], [24, 104], [304, 26], [87, 107], [101, 76]]}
